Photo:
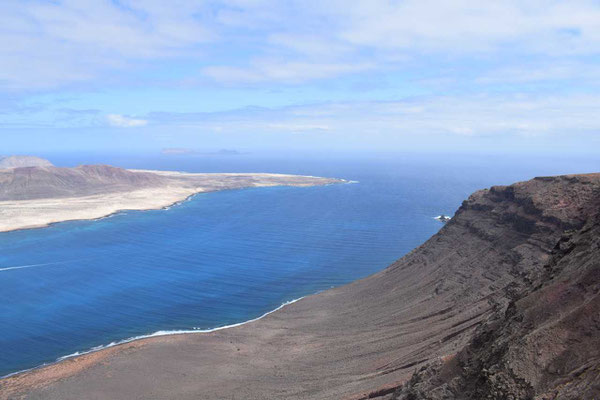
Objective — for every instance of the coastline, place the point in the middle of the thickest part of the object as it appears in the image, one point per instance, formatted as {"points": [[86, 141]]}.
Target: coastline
{"points": [[40, 213], [166, 206], [157, 334], [177, 195], [71, 364]]}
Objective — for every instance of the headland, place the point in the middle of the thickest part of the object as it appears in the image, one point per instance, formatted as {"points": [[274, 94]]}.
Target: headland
{"points": [[39, 195]]}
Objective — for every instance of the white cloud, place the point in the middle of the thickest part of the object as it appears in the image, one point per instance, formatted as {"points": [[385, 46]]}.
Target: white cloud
{"points": [[311, 45], [121, 121], [282, 71], [51, 44], [416, 118], [295, 127], [314, 39], [461, 26], [541, 72], [448, 122]]}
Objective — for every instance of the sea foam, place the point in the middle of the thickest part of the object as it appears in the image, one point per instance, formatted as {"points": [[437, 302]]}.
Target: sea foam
{"points": [[155, 334]]}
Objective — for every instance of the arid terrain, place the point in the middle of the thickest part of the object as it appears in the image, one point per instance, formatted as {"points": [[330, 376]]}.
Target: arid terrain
{"points": [[35, 193], [502, 303], [23, 161]]}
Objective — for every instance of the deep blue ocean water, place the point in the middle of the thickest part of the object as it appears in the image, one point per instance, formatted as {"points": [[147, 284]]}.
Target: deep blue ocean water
{"points": [[226, 257]]}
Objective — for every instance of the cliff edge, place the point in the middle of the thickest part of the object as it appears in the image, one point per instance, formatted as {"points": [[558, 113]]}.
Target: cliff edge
{"points": [[545, 344]]}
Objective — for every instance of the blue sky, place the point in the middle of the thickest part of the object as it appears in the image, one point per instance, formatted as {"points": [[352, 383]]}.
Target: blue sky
{"points": [[372, 75]]}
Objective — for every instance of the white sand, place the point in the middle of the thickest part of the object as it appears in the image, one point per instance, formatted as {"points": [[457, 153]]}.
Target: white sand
{"points": [[24, 214]]}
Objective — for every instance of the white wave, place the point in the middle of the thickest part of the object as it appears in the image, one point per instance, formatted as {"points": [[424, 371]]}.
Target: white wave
{"points": [[27, 266], [177, 203], [38, 265], [157, 333]]}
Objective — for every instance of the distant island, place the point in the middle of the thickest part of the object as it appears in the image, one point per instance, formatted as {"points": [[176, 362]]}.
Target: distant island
{"points": [[501, 303], [34, 193], [185, 151]]}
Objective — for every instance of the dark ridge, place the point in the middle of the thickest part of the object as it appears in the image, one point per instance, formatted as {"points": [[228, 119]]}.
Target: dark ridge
{"points": [[545, 344]]}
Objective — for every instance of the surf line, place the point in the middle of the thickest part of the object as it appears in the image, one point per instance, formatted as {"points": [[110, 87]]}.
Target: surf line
{"points": [[158, 333]]}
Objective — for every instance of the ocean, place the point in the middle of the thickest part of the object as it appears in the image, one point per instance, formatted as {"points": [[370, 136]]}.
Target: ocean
{"points": [[223, 258]]}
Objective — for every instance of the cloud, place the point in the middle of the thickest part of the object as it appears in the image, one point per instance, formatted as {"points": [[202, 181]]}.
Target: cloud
{"points": [[381, 35], [282, 71], [121, 121], [502, 121], [295, 127], [463, 26], [543, 72], [493, 115], [417, 118], [45, 45]]}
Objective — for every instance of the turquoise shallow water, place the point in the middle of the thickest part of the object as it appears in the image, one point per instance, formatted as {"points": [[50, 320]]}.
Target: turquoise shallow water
{"points": [[220, 258]]}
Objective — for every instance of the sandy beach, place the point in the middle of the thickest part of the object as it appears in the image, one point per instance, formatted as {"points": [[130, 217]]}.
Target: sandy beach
{"points": [[35, 213]]}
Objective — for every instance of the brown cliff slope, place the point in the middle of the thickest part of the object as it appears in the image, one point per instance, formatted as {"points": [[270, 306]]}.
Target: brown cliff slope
{"points": [[546, 343], [364, 339]]}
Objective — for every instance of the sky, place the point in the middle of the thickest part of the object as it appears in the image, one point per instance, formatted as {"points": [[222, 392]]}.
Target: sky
{"points": [[283, 75]]}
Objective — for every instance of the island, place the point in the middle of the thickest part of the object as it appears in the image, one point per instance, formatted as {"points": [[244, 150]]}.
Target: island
{"points": [[34, 193], [501, 303]]}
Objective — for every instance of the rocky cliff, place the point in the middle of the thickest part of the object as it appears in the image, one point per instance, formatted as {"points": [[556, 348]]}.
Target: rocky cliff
{"points": [[543, 341]]}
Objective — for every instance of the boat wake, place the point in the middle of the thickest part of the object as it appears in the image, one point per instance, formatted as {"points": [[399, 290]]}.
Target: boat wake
{"points": [[35, 265]]}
